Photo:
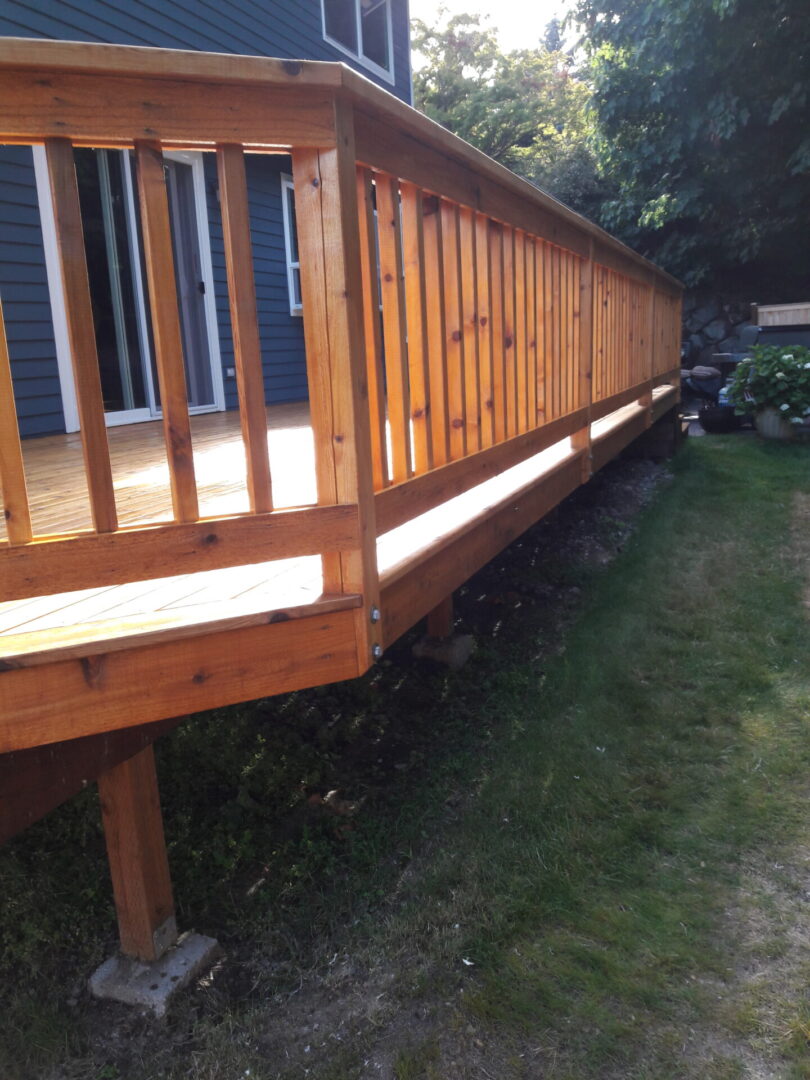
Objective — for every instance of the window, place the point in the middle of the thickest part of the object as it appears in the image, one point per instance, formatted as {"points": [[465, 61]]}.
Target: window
{"points": [[361, 28], [291, 245]]}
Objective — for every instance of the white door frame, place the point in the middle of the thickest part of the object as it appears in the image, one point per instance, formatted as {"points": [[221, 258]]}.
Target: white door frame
{"points": [[57, 297]]}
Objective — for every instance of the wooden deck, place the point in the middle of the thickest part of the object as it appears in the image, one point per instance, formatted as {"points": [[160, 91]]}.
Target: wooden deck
{"points": [[474, 350]]}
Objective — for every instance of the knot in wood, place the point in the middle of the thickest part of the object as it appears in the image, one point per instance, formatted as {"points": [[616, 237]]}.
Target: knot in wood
{"points": [[211, 538], [456, 335], [483, 320], [508, 342], [457, 423], [316, 182], [292, 67]]}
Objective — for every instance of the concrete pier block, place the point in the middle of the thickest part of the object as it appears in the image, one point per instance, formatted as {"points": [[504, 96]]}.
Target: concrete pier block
{"points": [[152, 986], [454, 652]]}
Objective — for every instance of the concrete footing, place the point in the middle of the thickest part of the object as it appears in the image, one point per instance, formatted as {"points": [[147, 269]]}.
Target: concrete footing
{"points": [[453, 652], [152, 986]]}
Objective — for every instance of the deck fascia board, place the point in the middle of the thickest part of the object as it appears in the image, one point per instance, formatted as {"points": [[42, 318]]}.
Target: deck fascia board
{"points": [[71, 698]]}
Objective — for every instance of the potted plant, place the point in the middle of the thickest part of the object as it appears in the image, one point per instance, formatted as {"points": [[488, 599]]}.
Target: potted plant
{"points": [[774, 384]]}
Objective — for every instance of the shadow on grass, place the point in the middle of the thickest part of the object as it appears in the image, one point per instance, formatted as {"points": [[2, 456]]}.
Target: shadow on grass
{"points": [[578, 799]]}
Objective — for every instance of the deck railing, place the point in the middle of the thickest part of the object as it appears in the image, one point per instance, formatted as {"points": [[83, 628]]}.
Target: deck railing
{"points": [[456, 319]]}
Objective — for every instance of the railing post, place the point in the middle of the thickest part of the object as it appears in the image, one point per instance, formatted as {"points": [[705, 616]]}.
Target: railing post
{"points": [[647, 398], [581, 440], [331, 286], [136, 848]]}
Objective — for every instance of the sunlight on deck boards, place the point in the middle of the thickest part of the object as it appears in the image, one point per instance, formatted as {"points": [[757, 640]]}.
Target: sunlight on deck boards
{"points": [[403, 545], [75, 623], [58, 492]]}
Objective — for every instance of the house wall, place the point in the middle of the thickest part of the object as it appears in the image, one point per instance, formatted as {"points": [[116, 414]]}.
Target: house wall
{"points": [[269, 28]]}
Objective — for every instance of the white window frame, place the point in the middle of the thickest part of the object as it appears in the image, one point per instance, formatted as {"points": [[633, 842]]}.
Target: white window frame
{"points": [[287, 202], [384, 73]]}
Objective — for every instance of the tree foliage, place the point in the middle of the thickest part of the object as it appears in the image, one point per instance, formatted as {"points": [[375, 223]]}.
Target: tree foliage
{"points": [[703, 113], [523, 108]]}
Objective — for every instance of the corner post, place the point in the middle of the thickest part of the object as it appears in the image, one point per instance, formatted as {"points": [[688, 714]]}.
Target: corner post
{"points": [[136, 848], [325, 181], [581, 439], [647, 396]]}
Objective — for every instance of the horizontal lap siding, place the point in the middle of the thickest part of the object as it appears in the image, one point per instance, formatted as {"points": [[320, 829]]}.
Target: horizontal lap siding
{"points": [[24, 293], [267, 28]]}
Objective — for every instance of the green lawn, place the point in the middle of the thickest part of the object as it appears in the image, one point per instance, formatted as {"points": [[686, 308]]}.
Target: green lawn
{"points": [[582, 856]]}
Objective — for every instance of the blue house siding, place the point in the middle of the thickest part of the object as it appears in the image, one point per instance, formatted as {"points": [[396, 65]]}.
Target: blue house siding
{"points": [[270, 28], [24, 293]]}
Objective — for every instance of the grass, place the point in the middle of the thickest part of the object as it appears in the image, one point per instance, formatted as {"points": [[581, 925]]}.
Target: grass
{"points": [[581, 857]]}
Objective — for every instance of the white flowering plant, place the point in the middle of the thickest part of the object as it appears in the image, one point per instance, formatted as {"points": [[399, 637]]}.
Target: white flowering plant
{"points": [[775, 376]]}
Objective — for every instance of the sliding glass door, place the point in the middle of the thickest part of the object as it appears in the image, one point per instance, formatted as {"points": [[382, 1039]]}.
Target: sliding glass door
{"points": [[107, 190]]}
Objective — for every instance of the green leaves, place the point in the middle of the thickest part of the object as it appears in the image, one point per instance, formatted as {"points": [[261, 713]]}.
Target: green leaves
{"points": [[526, 108], [702, 114]]}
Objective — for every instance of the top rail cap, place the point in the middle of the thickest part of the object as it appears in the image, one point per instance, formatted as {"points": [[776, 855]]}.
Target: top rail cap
{"points": [[92, 58]]}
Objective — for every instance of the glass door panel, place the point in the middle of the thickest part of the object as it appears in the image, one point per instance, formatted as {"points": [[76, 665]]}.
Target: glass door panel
{"points": [[105, 205]]}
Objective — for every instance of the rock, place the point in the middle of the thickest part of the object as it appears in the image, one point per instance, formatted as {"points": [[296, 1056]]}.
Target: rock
{"points": [[728, 345], [715, 331], [705, 314], [453, 652]]}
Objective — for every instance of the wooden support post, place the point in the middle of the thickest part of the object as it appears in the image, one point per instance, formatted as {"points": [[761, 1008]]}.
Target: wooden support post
{"points": [[647, 398], [581, 440], [136, 848], [441, 619]]}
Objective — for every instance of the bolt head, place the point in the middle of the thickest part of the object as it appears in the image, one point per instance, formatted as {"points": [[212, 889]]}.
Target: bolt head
{"points": [[377, 652], [375, 615]]}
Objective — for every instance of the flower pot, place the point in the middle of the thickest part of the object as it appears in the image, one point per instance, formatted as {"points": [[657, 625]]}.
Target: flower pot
{"points": [[719, 419], [771, 424]]}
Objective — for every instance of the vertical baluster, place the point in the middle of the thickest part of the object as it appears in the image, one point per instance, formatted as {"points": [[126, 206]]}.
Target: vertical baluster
{"points": [[157, 242], [394, 333], [531, 332], [81, 332], [484, 333], [599, 335], [416, 313], [566, 341], [556, 310], [498, 347], [521, 352], [371, 321], [579, 344], [437, 344], [548, 333], [12, 470], [583, 356], [469, 322], [510, 361], [247, 349], [453, 330], [540, 327]]}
